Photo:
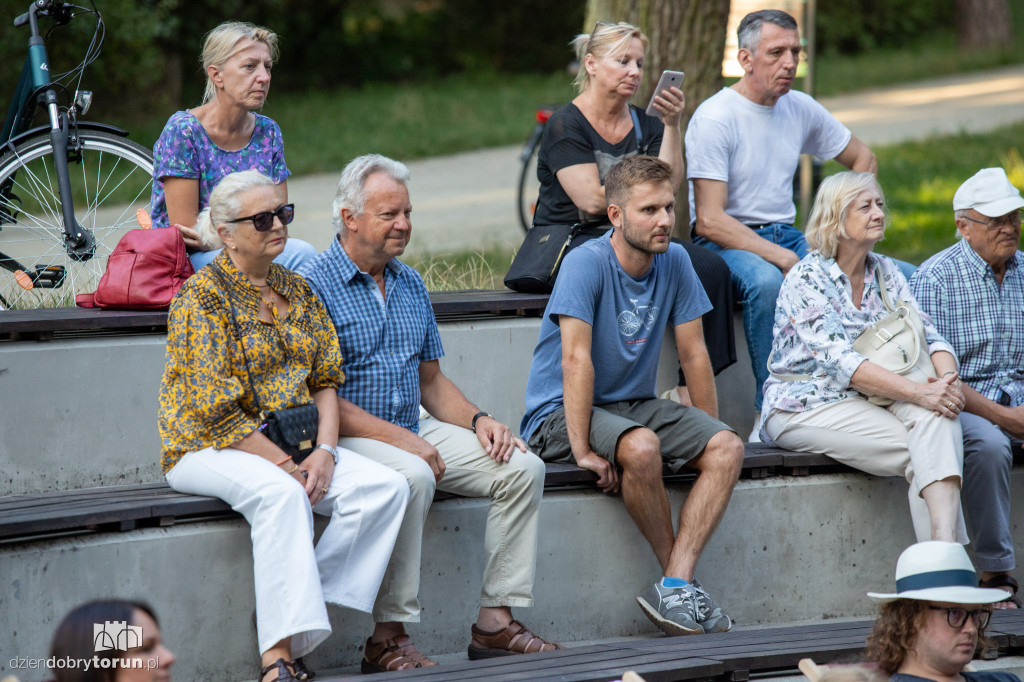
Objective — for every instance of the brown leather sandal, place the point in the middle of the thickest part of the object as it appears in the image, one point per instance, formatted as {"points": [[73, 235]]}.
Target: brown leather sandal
{"points": [[1000, 581], [515, 639], [284, 673], [392, 654]]}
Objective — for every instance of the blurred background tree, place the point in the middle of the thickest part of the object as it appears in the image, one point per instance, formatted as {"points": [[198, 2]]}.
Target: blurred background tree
{"points": [[982, 24]]}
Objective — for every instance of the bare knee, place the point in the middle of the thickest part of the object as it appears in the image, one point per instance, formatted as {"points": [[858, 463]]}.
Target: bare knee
{"points": [[722, 456], [639, 453]]}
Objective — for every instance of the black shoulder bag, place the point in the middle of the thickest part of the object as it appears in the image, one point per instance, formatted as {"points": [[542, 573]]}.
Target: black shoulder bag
{"points": [[536, 263]]}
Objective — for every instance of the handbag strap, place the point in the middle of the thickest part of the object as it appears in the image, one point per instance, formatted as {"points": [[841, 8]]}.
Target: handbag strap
{"points": [[241, 342]]}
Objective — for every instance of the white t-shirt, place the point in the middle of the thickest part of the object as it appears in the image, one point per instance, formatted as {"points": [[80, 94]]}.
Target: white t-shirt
{"points": [[756, 150]]}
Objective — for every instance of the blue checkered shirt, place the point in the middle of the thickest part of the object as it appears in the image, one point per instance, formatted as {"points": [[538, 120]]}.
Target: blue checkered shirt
{"points": [[982, 320], [383, 339]]}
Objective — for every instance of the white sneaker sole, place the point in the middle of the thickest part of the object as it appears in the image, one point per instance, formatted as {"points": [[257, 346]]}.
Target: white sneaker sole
{"points": [[669, 627]]}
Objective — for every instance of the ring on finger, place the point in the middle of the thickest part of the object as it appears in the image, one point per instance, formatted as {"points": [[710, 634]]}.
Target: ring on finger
{"points": [[950, 404]]}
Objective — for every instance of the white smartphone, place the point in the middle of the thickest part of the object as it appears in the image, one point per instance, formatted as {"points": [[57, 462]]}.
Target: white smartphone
{"points": [[669, 79]]}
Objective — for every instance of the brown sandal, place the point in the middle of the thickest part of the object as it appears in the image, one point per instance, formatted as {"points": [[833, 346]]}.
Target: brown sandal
{"points": [[392, 654], [515, 639], [1001, 580]]}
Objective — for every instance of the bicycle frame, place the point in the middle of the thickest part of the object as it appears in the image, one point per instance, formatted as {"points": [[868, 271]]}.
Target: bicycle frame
{"points": [[35, 85]]}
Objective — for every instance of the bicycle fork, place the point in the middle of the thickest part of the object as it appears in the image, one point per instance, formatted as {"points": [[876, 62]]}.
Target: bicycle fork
{"points": [[79, 242]]}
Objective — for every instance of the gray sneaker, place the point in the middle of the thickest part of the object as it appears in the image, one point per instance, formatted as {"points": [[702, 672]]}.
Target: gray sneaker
{"points": [[673, 609], [709, 614]]}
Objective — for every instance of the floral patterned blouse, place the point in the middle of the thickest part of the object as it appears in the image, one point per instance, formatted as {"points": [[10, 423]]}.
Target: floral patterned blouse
{"points": [[816, 324], [184, 150], [205, 395]]}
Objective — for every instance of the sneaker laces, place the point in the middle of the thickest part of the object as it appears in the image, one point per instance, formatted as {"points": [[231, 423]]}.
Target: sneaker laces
{"points": [[703, 602]]}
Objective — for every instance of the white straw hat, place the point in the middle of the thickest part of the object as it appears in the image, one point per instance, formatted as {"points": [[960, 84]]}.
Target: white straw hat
{"points": [[938, 571], [988, 192]]}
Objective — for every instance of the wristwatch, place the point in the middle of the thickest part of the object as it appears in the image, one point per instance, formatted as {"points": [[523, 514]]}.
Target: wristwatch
{"points": [[477, 416], [329, 448]]}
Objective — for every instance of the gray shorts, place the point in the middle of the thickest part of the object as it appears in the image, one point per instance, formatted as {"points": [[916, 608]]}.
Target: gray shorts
{"points": [[684, 431]]}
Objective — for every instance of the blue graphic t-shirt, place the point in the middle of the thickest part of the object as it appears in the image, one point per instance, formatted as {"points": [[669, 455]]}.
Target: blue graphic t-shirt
{"points": [[628, 316]]}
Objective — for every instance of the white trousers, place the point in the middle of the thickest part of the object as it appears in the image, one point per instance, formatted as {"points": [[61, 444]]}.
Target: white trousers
{"points": [[900, 440], [366, 503]]}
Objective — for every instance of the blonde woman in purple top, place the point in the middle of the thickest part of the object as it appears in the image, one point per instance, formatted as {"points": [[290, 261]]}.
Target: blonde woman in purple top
{"points": [[200, 146]]}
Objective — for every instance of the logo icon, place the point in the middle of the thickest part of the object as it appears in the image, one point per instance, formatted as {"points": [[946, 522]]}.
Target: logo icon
{"points": [[116, 635]]}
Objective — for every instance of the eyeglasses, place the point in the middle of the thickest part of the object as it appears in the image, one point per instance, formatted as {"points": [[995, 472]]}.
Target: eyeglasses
{"points": [[597, 27], [957, 616], [1008, 220], [264, 220]]}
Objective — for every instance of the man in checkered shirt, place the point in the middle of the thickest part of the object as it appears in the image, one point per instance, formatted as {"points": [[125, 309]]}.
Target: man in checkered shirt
{"points": [[974, 293], [391, 346]]}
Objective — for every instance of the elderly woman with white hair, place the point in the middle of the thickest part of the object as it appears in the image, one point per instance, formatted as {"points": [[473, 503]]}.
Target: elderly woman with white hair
{"points": [[246, 337], [198, 147], [824, 396]]}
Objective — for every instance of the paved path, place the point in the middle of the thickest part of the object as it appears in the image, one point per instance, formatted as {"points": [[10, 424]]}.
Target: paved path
{"points": [[467, 201]]}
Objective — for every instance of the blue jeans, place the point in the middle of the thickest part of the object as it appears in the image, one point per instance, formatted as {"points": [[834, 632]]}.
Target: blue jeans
{"points": [[295, 253], [986, 492], [756, 284]]}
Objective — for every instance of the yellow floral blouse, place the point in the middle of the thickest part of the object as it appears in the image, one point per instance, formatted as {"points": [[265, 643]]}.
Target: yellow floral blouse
{"points": [[205, 395]]}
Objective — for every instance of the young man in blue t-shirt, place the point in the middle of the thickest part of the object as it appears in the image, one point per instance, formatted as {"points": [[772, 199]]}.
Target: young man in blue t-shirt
{"points": [[609, 308]]}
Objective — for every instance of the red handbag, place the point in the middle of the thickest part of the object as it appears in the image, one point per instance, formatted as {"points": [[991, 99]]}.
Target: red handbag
{"points": [[144, 272]]}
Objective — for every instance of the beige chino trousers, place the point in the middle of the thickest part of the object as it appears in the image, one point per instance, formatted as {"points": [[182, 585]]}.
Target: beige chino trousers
{"points": [[510, 540], [902, 439]]}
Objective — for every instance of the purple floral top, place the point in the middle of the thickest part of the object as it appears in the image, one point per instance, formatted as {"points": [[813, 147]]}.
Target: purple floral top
{"points": [[816, 324], [184, 150]]}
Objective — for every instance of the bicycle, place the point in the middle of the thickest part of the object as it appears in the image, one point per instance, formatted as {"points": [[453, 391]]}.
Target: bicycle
{"points": [[69, 188], [528, 186]]}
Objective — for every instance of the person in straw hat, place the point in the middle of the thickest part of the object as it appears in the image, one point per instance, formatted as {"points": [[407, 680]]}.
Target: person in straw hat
{"points": [[928, 629]]}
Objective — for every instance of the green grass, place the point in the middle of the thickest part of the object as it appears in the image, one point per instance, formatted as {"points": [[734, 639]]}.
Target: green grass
{"points": [[324, 131], [462, 270]]}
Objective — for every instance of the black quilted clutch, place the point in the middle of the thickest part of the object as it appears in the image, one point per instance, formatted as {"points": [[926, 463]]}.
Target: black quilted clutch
{"points": [[294, 430]]}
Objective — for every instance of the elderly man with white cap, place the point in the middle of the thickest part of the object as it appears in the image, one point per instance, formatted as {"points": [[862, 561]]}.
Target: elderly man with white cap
{"points": [[929, 628], [974, 293]]}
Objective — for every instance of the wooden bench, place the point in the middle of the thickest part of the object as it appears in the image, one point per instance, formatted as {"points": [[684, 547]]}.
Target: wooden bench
{"points": [[125, 508], [730, 656], [46, 323]]}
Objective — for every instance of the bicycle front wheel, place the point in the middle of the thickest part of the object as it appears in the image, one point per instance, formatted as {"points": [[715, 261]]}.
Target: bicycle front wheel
{"points": [[111, 177], [528, 186]]}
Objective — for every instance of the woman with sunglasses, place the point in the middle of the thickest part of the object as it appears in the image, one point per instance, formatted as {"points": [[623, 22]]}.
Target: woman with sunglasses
{"points": [[198, 147], [929, 628], [247, 336], [586, 137]]}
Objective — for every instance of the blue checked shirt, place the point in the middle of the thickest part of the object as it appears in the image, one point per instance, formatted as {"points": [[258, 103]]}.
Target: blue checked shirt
{"points": [[981, 319], [383, 339]]}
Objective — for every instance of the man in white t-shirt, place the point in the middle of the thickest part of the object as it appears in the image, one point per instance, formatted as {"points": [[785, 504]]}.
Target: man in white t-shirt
{"points": [[743, 146]]}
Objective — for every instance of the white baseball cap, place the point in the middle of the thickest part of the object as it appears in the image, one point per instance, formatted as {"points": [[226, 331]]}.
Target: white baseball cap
{"points": [[938, 571], [988, 192]]}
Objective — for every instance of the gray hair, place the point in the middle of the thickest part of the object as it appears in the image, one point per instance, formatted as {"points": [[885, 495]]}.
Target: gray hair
{"points": [[827, 221], [607, 39], [957, 215], [748, 35], [225, 204], [350, 192], [220, 43]]}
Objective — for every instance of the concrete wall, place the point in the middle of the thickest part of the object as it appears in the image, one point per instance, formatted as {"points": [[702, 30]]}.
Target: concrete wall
{"points": [[82, 413], [788, 549]]}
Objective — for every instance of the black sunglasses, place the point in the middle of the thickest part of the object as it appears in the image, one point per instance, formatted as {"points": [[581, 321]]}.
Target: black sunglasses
{"points": [[957, 616], [264, 220]]}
